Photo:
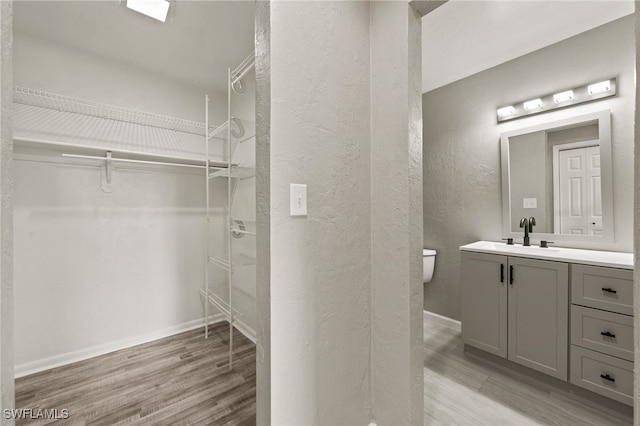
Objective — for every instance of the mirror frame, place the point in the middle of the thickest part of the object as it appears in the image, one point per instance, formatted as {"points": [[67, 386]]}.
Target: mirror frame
{"points": [[603, 118]]}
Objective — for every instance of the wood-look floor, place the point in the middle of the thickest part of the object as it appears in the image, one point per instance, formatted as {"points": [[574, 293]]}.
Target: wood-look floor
{"points": [[180, 380], [463, 391], [184, 380]]}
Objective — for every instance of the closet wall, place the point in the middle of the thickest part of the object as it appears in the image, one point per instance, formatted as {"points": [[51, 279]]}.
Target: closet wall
{"points": [[97, 271]]}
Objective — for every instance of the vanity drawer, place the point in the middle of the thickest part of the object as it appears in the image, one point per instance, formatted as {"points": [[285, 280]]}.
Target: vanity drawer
{"points": [[602, 374], [610, 289], [602, 331]]}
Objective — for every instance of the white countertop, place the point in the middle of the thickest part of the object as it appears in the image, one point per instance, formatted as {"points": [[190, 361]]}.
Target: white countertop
{"points": [[559, 254]]}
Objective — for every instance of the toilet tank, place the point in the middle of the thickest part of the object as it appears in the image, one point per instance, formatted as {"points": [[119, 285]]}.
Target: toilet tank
{"points": [[428, 262]]}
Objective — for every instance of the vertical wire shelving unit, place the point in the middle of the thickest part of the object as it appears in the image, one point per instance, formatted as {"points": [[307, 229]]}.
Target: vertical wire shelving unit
{"points": [[233, 172]]}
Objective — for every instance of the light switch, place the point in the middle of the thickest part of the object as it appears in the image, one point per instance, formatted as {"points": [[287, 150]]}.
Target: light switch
{"points": [[529, 203], [298, 199]]}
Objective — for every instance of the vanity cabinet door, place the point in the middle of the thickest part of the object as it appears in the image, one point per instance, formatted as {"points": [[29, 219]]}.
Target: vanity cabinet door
{"points": [[539, 315], [484, 302]]}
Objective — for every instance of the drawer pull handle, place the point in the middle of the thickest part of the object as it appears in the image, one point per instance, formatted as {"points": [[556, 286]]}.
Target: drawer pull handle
{"points": [[609, 290], [607, 377], [608, 334], [502, 272], [511, 274]]}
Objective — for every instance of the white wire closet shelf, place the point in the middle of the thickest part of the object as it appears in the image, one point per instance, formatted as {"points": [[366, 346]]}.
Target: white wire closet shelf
{"points": [[221, 304], [227, 138], [238, 260], [45, 117], [237, 172]]}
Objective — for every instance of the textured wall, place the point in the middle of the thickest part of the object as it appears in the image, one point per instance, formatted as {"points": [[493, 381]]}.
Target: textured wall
{"points": [[263, 208], [6, 211], [345, 286], [320, 264], [396, 220], [462, 186], [526, 153]]}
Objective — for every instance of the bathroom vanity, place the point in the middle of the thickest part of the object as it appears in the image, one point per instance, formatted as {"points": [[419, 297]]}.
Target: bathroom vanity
{"points": [[563, 312]]}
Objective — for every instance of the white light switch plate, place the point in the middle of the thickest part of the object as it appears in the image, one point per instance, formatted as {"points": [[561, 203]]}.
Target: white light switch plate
{"points": [[529, 203], [298, 199]]}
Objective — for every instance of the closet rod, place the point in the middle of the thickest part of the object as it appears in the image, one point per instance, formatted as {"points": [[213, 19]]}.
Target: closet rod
{"points": [[127, 160], [47, 142]]}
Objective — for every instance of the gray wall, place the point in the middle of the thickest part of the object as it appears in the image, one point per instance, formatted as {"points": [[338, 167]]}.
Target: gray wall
{"points": [[6, 216], [462, 186], [526, 153], [344, 287]]}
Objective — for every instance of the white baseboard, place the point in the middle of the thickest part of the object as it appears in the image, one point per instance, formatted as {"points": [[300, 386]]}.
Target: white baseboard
{"points": [[247, 331], [442, 320], [82, 354]]}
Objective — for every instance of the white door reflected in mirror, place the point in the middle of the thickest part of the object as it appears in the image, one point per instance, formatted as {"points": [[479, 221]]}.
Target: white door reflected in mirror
{"points": [[578, 209]]}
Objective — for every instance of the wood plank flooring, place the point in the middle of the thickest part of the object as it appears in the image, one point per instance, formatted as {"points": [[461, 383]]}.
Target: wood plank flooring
{"points": [[460, 390], [184, 380], [180, 380]]}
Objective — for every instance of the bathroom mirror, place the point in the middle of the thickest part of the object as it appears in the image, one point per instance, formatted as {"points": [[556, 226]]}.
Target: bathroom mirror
{"points": [[559, 173]]}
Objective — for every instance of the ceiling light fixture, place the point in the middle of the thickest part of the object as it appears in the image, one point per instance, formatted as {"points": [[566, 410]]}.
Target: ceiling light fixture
{"points": [[561, 99], [156, 9]]}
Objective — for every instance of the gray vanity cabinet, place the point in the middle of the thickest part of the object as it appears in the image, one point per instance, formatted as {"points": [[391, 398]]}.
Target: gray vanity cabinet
{"points": [[484, 302], [518, 309], [539, 315], [602, 331]]}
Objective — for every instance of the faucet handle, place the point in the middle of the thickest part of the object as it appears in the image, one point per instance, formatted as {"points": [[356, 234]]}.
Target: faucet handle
{"points": [[509, 241], [545, 244]]}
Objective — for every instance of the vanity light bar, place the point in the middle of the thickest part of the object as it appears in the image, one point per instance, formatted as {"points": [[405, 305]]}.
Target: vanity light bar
{"points": [[534, 104], [577, 95], [506, 111], [565, 96], [603, 86]]}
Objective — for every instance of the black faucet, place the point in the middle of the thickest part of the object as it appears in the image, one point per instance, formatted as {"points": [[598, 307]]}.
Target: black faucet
{"points": [[528, 225]]}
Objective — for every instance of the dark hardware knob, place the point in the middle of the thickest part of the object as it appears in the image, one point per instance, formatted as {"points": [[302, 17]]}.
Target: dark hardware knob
{"points": [[607, 377], [609, 290], [545, 243], [502, 272], [509, 241], [511, 274], [608, 334]]}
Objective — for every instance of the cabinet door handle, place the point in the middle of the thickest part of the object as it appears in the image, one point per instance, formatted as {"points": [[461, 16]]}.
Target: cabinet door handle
{"points": [[607, 377], [608, 334], [609, 290], [511, 274], [502, 272]]}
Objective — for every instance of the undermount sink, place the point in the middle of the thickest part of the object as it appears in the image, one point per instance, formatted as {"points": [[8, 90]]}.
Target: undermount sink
{"points": [[525, 250]]}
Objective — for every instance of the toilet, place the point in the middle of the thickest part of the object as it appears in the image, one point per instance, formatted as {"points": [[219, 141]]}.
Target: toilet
{"points": [[428, 261]]}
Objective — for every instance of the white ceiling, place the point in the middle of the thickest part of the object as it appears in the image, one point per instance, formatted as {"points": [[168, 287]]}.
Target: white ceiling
{"points": [[204, 37], [462, 38], [196, 45]]}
